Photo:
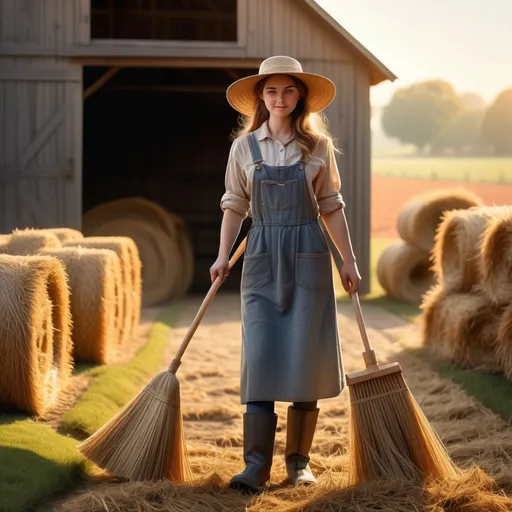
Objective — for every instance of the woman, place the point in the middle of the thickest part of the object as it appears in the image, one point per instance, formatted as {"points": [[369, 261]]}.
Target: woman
{"points": [[282, 172]]}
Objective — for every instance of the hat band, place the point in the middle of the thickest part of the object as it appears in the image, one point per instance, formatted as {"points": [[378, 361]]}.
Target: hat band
{"points": [[281, 70]]}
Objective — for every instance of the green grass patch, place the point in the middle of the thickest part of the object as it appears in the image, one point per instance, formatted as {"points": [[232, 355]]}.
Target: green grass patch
{"points": [[485, 170], [36, 461], [377, 295], [114, 386], [494, 391]]}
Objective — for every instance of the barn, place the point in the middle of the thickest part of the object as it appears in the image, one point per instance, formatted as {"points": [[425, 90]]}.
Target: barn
{"points": [[102, 99]]}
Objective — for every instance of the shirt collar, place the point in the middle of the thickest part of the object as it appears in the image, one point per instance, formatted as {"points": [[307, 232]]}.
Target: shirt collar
{"points": [[263, 133]]}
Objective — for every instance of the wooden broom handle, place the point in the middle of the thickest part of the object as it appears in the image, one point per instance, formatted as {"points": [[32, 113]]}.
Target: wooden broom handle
{"points": [[175, 363], [369, 354]]}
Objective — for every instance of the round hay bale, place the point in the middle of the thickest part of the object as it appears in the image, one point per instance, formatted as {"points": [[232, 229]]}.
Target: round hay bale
{"points": [[504, 345], [138, 208], [35, 327], [158, 253], [495, 261], [457, 246], [66, 234], [126, 250], [186, 253], [404, 272], [419, 218], [26, 242], [462, 327], [433, 320], [93, 280]]}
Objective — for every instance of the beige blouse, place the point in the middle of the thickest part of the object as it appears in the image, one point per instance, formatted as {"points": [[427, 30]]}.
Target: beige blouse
{"points": [[322, 174]]}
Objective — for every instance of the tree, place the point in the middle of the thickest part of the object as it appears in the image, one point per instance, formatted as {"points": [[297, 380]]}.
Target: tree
{"points": [[472, 101], [497, 124], [463, 131], [417, 114]]}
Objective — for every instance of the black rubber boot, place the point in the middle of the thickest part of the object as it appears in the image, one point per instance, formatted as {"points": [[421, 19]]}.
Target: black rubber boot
{"points": [[259, 436], [300, 430]]}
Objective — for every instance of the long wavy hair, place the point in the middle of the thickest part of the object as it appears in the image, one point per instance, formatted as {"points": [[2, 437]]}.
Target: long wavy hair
{"points": [[308, 128]]}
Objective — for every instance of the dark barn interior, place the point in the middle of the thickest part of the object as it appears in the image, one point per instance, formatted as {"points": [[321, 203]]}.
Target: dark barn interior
{"points": [[163, 134]]}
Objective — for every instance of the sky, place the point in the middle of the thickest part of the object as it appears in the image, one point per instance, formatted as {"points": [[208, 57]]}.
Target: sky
{"points": [[466, 42]]}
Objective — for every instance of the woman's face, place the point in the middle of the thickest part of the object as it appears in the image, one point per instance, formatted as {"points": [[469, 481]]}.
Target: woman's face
{"points": [[280, 95]]}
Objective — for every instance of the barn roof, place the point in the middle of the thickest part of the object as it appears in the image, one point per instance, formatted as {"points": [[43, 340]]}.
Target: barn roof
{"points": [[379, 72]]}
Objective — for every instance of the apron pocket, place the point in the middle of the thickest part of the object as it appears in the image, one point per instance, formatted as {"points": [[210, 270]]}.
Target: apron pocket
{"points": [[255, 271], [280, 195], [313, 270]]}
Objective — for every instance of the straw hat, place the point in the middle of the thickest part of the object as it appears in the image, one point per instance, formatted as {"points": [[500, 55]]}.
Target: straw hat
{"points": [[321, 91]]}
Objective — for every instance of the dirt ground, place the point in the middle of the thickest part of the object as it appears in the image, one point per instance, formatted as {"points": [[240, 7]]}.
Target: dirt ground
{"points": [[390, 194], [209, 378]]}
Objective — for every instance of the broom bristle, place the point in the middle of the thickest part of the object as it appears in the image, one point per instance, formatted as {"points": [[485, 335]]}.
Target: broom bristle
{"points": [[145, 440], [390, 435]]}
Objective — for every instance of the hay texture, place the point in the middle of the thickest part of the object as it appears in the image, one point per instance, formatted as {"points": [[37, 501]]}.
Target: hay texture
{"points": [[504, 344], [213, 420], [35, 323], [420, 217], [404, 272], [66, 234], [496, 258], [141, 209], [456, 255], [94, 280], [25, 242], [130, 299], [462, 327], [158, 254]]}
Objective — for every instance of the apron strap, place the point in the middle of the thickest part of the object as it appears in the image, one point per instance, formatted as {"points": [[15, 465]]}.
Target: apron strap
{"points": [[255, 151]]}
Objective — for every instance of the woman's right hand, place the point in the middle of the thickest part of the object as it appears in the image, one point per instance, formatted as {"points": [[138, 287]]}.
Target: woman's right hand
{"points": [[220, 268]]}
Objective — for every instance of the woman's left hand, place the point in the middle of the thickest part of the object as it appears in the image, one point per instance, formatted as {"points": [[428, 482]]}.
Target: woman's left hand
{"points": [[350, 277]]}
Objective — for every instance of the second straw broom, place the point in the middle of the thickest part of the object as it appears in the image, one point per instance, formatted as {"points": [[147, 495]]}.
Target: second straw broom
{"points": [[145, 441], [390, 437]]}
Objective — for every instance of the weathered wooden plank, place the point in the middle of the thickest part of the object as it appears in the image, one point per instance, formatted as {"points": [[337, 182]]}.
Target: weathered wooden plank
{"points": [[39, 70]]}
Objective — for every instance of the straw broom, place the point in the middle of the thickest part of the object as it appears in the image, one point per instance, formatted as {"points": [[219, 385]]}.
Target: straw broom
{"points": [[145, 440], [390, 435]]}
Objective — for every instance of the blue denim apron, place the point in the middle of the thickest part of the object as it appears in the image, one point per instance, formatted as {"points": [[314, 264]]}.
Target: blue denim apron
{"points": [[290, 344]]}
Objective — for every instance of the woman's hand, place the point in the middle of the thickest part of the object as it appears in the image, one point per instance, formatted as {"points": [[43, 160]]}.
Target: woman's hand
{"points": [[350, 277], [220, 268]]}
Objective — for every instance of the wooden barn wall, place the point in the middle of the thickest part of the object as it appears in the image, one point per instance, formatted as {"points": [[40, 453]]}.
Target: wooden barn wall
{"points": [[44, 26], [40, 114], [287, 27]]}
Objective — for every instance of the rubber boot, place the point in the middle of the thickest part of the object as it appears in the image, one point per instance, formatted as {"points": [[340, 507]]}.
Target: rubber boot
{"points": [[300, 429], [259, 436]]}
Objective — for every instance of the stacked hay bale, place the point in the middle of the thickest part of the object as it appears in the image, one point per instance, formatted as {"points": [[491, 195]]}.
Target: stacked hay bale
{"points": [[162, 240], [65, 298], [105, 308], [404, 267], [35, 332], [467, 315]]}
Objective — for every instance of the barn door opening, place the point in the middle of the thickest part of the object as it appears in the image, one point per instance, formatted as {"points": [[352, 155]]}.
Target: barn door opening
{"points": [[162, 134]]}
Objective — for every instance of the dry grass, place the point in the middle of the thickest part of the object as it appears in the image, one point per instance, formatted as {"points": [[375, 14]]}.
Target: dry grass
{"points": [[209, 378]]}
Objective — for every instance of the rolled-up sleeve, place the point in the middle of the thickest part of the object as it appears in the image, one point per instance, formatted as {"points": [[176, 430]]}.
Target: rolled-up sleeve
{"points": [[327, 185], [235, 196]]}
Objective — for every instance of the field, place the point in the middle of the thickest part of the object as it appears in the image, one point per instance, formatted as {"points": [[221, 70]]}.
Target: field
{"points": [[488, 170], [390, 194]]}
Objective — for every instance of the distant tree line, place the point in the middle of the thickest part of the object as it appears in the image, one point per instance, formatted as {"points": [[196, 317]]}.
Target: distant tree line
{"points": [[432, 117]]}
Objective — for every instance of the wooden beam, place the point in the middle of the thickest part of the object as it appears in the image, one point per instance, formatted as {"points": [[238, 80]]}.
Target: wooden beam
{"points": [[208, 89], [232, 74], [169, 62], [102, 80], [174, 14]]}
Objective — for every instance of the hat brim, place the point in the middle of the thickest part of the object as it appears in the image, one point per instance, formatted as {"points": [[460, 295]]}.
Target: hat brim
{"points": [[321, 91]]}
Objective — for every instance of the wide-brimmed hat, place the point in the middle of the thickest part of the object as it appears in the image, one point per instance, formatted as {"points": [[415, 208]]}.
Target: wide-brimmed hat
{"points": [[321, 91]]}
